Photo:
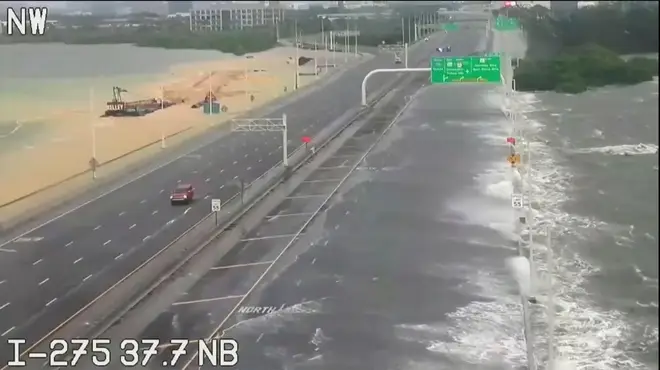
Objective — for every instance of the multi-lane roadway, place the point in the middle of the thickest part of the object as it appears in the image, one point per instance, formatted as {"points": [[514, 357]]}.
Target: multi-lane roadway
{"points": [[228, 293], [66, 262]]}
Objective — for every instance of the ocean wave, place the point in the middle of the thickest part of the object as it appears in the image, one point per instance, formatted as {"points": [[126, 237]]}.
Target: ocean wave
{"points": [[588, 336], [626, 149]]}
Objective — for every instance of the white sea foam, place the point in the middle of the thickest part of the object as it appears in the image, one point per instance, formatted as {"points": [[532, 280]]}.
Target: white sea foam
{"points": [[639, 149], [587, 336], [483, 333]]}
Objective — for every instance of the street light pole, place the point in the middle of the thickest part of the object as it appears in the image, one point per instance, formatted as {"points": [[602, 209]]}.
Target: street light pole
{"points": [[93, 128], [325, 45], [162, 107], [295, 80]]}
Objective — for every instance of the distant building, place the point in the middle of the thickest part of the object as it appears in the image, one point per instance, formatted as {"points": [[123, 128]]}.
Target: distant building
{"points": [[563, 8], [235, 16], [176, 7]]}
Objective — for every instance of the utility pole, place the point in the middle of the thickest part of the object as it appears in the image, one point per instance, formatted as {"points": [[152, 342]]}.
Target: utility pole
{"points": [[93, 162], [162, 106], [295, 80], [357, 33], [403, 32], [347, 47]]}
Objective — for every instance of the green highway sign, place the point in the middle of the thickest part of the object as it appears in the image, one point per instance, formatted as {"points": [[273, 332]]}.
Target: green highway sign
{"points": [[449, 27], [506, 24], [465, 69]]}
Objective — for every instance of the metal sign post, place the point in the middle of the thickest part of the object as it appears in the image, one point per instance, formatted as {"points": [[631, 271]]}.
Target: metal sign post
{"points": [[216, 205], [265, 125]]}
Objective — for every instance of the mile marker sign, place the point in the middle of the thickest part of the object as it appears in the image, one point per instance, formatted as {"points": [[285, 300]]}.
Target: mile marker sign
{"points": [[215, 205]]}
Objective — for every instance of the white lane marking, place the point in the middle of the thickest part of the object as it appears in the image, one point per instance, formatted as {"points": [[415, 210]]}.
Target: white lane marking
{"points": [[270, 153], [279, 147], [132, 226], [241, 265], [319, 181], [154, 212], [29, 240], [187, 210], [4, 305], [143, 201], [178, 181], [150, 171], [195, 172], [68, 244], [305, 196], [8, 331], [249, 168], [7, 250], [119, 256], [259, 338], [260, 160], [145, 238], [161, 191], [2, 281], [106, 243], [217, 330], [222, 186], [245, 156], [97, 227], [44, 281], [78, 260], [222, 170], [122, 213], [269, 237], [87, 277], [37, 262], [207, 180], [51, 302], [256, 149], [207, 197], [332, 167], [272, 217], [235, 162], [207, 300], [236, 177], [313, 261]]}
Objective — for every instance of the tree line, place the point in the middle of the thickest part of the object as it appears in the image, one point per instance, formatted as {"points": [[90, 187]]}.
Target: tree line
{"points": [[583, 50]]}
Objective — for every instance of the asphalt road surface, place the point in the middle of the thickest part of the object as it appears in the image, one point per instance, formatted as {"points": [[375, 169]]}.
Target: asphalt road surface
{"points": [[388, 277], [360, 287], [49, 273]]}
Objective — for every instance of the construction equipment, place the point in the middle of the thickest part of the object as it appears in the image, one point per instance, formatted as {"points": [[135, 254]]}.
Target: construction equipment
{"points": [[117, 107]]}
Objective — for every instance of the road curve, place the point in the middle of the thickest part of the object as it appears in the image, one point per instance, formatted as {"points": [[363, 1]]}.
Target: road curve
{"points": [[62, 265]]}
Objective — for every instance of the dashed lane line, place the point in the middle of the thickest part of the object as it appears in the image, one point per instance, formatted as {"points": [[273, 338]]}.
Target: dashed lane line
{"points": [[107, 242], [87, 278], [132, 226], [44, 281], [4, 334], [7, 250], [4, 306], [321, 181], [78, 260], [97, 227], [305, 196], [68, 244], [241, 265], [273, 217], [207, 300], [122, 213], [37, 262], [269, 237], [51, 302]]}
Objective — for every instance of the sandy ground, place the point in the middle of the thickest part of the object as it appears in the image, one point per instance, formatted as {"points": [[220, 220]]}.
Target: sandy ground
{"points": [[66, 148]]}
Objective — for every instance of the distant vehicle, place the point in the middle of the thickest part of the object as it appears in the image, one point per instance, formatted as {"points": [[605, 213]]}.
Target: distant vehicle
{"points": [[183, 193], [446, 49]]}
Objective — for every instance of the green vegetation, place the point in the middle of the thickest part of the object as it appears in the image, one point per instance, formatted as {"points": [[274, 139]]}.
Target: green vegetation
{"points": [[236, 42], [582, 51]]}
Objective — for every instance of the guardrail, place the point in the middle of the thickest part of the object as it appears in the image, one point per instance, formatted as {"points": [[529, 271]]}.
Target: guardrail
{"points": [[100, 313]]}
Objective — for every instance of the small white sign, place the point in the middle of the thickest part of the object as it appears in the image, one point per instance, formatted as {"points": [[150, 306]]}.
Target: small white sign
{"points": [[517, 201], [215, 205]]}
